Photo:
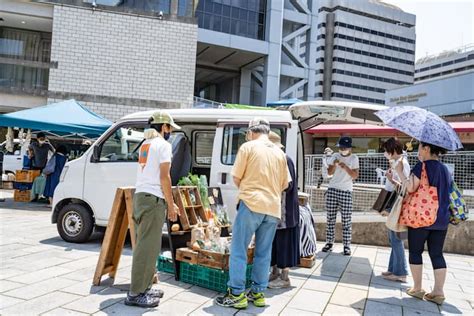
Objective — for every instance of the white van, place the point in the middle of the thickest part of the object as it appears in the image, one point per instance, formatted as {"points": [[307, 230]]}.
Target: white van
{"points": [[84, 196], [12, 161]]}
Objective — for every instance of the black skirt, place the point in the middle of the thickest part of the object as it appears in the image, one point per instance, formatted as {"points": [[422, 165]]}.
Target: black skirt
{"points": [[286, 248]]}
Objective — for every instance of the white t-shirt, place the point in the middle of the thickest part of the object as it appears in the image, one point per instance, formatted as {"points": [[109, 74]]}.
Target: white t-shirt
{"points": [[153, 152], [341, 180], [389, 186]]}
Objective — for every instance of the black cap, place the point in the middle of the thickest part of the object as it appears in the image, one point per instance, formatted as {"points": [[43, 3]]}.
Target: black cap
{"points": [[344, 142]]}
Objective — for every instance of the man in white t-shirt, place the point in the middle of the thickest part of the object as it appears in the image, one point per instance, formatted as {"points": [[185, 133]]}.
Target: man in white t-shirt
{"points": [[344, 167], [152, 200]]}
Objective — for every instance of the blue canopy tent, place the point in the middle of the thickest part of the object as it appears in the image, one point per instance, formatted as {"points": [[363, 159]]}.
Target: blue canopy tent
{"points": [[62, 118], [286, 102]]}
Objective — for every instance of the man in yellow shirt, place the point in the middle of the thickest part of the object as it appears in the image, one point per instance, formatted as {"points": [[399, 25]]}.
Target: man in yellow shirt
{"points": [[260, 172]]}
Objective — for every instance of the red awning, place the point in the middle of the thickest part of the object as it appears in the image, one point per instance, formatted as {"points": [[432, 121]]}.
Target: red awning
{"points": [[357, 129]]}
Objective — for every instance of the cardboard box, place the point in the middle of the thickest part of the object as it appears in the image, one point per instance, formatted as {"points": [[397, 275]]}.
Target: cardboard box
{"points": [[22, 196], [27, 176]]}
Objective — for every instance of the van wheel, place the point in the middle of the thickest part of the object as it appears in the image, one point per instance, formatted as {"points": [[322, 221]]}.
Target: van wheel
{"points": [[75, 223]]}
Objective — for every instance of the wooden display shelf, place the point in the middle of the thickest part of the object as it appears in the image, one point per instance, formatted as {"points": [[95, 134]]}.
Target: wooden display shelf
{"points": [[188, 199]]}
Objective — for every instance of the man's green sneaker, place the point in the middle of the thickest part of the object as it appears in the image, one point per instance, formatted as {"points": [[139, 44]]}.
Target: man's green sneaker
{"points": [[230, 300], [258, 299]]}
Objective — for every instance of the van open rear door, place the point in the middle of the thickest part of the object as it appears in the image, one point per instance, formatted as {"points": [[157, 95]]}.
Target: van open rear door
{"points": [[312, 113]]}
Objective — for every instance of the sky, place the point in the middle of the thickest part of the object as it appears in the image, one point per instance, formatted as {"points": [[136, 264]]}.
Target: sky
{"points": [[440, 24]]}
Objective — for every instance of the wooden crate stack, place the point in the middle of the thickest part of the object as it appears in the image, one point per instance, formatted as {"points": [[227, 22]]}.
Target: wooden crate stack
{"points": [[25, 177], [208, 258], [188, 199]]}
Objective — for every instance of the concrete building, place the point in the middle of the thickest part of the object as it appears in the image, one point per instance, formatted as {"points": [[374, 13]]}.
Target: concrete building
{"points": [[444, 84], [119, 56]]}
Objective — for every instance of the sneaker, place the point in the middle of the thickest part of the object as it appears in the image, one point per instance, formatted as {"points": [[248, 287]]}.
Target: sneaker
{"points": [[230, 300], [273, 277], [258, 299], [347, 251], [279, 284], [142, 300], [327, 248], [155, 292]]}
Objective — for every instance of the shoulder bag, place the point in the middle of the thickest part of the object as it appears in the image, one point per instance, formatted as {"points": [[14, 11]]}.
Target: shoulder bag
{"points": [[420, 208], [394, 215]]}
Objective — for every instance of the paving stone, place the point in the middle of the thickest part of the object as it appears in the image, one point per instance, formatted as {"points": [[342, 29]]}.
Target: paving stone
{"points": [[6, 285], [346, 296], [288, 311], [210, 308], [6, 301], [354, 280], [308, 300], [379, 281], [195, 295], [120, 308], [10, 273], [40, 304], [82, 288], [321, 283], [373, 308], [81, 275], [63, 312], [174, 307], [40, 275], [41, 288], [170, 291], [385, 295], [407, 311], [94, 303], [414, 303], [360, 268], [274, 305], [332, 309], [454, 304]]}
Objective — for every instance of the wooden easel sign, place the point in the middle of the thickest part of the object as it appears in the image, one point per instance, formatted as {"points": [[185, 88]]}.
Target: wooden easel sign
{"points": [[119, 222]]}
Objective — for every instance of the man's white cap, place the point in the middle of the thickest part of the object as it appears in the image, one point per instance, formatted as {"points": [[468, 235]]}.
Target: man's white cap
{"points": [[257, 121]]}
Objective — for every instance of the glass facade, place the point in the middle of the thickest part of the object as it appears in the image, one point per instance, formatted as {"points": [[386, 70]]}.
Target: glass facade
{"points": [[238, 17], [25, 55]]}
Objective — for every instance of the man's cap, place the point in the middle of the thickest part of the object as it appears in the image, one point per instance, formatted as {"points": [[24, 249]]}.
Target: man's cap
{"points": [[275, 138], [163, 117], [257, 121], [344, 142]]}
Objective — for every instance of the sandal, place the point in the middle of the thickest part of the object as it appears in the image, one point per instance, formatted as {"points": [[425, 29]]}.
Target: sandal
{"points": [[417, 294], [438, 299]]}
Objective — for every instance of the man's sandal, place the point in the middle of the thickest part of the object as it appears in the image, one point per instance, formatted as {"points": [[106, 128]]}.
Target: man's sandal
{"points": [[417, 294], [438, 299]]}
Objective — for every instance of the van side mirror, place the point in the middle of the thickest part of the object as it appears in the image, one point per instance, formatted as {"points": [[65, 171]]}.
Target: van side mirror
{"points": [[95, 154]]}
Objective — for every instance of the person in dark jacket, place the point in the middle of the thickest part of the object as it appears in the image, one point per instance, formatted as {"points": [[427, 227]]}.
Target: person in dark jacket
{"points": [[286, 244], [52, 180]]}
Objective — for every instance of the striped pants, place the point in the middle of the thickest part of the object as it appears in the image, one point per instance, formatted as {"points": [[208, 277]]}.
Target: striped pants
{"points": [[339, 200]]}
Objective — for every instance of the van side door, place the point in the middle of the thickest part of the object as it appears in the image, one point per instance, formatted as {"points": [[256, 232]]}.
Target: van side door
{"points": [[230, 135]]}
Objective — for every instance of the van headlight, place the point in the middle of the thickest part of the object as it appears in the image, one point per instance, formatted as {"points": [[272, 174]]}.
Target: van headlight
{"points": [[63, 173]]}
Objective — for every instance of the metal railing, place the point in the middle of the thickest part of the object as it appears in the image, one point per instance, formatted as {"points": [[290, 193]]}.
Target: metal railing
{"points": [[371, 179]]}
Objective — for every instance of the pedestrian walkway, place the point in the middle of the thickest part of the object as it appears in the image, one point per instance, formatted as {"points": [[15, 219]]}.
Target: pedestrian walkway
{"points": [[41, 274]]}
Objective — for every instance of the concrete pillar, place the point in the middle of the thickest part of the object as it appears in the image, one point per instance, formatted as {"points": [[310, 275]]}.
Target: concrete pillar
{"points": [[245, 86], [273, 35], [311, 53]]}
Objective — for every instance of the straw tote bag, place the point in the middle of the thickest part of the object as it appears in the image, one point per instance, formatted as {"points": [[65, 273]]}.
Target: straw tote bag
{"points": [[392, 218], [420, 208]]}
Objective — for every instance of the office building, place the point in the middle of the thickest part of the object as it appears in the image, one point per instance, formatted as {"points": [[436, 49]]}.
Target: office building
{"points": [[120, 56]]}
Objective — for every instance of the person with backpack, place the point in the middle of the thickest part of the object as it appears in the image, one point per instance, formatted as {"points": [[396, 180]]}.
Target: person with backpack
{"points": [[53, 170], [439, 180]]}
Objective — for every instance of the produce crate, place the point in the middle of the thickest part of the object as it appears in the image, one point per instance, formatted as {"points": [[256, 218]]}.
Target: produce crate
{"points": [[165, 264], [307, 262], [22, 186], [27, 176], [8, 185], [187, 255], [213, 279], [22, 196], [218, 260]]}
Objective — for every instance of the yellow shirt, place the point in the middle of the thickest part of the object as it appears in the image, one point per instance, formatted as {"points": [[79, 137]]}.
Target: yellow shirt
{"points": [[261, 166]]}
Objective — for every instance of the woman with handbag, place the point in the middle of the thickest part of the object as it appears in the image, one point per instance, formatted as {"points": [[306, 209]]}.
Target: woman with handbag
{"points": [[426, 213], [397, 266]]}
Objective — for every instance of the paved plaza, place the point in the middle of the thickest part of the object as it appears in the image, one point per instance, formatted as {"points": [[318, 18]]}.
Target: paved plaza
{"points": [[42, 274]]}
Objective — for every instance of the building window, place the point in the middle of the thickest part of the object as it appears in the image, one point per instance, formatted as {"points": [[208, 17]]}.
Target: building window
{"points": [[367, 65], [356, 98], [381, 45], [370, 77], [370, 54], [357, 86], [27, 57], [238, 17]]}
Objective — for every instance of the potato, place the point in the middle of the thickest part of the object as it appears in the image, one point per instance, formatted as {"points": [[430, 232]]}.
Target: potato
{"points": [[196, 246], [175, 227]]}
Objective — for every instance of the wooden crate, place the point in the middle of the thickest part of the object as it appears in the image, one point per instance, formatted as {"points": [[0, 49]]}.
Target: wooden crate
{"points": [[27, 176], [187, 255], [307, 262], [188, 199], [8, 185], [22, 196], [218, 260]]}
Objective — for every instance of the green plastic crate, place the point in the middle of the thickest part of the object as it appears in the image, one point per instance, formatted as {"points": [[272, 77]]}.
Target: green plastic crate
{"points": [[213, 279], [165, 264]]}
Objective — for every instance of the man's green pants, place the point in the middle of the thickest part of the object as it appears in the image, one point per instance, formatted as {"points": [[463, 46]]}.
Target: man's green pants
{"points": [[149, 214]]}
